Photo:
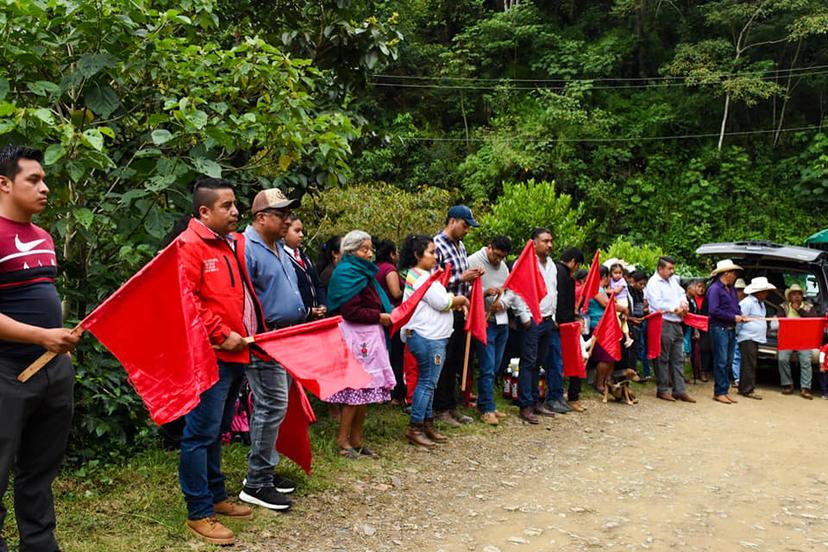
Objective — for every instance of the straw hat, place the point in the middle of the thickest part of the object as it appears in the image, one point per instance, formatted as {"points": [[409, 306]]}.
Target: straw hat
{"points": [[725, 265], [758, 284], [740, 284], [793, 288]]}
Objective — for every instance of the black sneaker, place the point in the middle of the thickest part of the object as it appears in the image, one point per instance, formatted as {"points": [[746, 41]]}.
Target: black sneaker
{"points": [[283, 484], [267, 497]]}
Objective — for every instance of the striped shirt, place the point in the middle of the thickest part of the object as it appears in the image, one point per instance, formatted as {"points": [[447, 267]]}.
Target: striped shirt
{"points": [[454, 253]]}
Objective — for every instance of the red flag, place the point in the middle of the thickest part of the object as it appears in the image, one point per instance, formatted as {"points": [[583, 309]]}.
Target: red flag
{"points": [[476, 319], [698, 321], [316, 354], [446, 278], [573, 358], [152, 326], [403, 313], [527, 281], [797, 334], [608, 331], [293, 440], [654, 322], [591, 283]]}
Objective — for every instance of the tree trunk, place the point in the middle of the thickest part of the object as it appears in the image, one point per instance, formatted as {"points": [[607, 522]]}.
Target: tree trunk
{"points": [[787, 97], [724, 120]]}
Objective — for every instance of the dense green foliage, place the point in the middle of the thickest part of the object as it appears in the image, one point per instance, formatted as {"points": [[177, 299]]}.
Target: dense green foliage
{"points": [[663, 126]]}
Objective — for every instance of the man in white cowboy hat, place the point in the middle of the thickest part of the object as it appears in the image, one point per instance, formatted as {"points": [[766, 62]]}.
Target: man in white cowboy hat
{"points": [[724, 313], [795, 307], [740, 286], [752, 333]]}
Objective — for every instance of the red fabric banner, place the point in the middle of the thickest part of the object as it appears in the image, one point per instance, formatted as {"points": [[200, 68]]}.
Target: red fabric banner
{"points": [[797, 334], [527, 281], [316, 354], [591, 283], [403, 313], [698, 321], [476, 319], [293, 440], [152, 326], [608, 331], [446, 275], [573, 358], [654, 322]]}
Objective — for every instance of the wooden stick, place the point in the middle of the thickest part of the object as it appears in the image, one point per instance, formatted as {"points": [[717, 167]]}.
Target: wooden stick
{"points": [[42, 361], [466, 362]]}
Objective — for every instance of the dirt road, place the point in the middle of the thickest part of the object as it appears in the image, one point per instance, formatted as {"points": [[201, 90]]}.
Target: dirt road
{"points": [[656, 476]]}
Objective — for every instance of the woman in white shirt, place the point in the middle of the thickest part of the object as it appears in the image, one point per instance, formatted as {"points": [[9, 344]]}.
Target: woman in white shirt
{"points": [[426, 334]]}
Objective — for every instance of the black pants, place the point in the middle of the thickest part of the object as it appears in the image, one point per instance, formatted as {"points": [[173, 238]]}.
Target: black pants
{"points": [[747, 369], [396, 357], [35, 419], [445, 396], [573, 393]]}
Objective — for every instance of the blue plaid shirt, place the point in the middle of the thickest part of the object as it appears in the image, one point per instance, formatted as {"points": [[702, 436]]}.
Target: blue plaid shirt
{"points": [[454, 253]]}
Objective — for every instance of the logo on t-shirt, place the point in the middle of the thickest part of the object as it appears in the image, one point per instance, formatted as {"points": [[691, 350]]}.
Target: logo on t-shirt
{"points": [[210, 265]]}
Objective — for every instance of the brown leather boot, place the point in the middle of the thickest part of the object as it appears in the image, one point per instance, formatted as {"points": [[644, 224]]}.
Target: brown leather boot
{"points": [[210, 530], [431, 433], [414, 434], [231, 509]]}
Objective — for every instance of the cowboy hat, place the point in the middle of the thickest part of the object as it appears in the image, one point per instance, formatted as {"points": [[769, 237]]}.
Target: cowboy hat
{"points": [[793, 288], [740, 284], [725, 265], [760, 283]]}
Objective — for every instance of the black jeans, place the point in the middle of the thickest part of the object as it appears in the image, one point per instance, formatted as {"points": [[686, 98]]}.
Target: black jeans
{"points": [[445, 396], [35, 419], [747, 369]]}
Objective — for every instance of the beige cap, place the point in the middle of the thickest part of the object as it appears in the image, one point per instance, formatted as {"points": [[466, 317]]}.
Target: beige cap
{"points": [[725, 265], [758, 284], [740, 284], [793, 288], [272, 198]]}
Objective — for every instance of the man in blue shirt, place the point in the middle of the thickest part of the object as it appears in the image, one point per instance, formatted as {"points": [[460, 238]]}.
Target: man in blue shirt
{"points": [[274, 281], [752, 332]]}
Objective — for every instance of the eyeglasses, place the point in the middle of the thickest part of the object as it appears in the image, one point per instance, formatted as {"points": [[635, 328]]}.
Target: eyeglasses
{"points": [[280, 214], [367, 248]]}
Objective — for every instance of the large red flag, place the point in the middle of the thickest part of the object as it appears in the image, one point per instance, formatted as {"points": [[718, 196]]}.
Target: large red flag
{"points": [[293, 440], [403, 313], [608, 331], [797, 334], [152, 326], [476, 319], [591, 283], [316, 354], [573, 358], [654, 323], [527, 281], [698, 321]]}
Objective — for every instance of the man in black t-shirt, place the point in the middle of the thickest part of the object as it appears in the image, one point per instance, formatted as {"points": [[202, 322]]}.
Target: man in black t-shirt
{"points": [[36, 415]]}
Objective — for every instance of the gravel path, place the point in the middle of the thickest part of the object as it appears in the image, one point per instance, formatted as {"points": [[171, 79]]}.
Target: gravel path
{"points": [[655, 476]]}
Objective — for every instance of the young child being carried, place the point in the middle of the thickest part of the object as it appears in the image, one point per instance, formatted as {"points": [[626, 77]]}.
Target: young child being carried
{"points": [[618, 286]]}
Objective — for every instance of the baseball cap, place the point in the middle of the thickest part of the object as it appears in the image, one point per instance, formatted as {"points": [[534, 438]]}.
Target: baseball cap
{"points": [[272, 198], [462, 212]]}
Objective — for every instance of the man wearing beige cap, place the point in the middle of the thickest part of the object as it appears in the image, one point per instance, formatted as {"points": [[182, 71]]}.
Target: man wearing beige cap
{"points": [[795, 307], [276, 286]]}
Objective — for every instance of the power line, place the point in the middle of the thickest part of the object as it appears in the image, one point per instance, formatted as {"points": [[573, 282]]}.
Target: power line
{"points": [[506, 84], [775, 72], [603, 140]]}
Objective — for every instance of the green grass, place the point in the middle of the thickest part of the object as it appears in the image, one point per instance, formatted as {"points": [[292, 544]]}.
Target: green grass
{"points": [[138, 505]]}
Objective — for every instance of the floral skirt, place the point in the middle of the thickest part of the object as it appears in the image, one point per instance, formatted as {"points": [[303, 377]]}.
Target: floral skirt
{"points": [[367, 343]]}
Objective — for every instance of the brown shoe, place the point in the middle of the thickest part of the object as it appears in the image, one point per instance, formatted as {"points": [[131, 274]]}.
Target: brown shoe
{"points": [[576, 406], [731, 399], [489, 418], [500, 414], [722, 399], [685, 398], [210, 530], [414, 434], [431, 433], [666, 396], [446, 418], [528, 414], [788, 390], [231, 509], [806, 394], [544, 411]]}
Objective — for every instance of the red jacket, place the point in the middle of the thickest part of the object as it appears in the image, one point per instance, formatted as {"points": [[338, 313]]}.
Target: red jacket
{"points": [[218, 276]]}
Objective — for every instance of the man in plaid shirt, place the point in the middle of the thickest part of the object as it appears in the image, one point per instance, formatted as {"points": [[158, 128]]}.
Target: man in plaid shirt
{"points": [[450, 249]]}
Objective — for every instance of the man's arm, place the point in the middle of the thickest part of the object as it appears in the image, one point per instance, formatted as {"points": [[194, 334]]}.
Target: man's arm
{"points": [[56, 340]]}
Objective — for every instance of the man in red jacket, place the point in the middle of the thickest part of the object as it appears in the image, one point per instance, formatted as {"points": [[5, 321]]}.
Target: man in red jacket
{"points": [[213, 258]]}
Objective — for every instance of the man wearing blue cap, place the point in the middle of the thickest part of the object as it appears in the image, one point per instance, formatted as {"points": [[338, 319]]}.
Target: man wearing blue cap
{"points": [[450, 249]]}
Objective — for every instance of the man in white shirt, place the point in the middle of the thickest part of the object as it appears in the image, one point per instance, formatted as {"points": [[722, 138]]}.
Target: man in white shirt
{"points": [[665, 294]]}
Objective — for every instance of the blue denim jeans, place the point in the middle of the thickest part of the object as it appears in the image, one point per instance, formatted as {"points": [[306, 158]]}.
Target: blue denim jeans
{"points": [[199, 467], [642, 351], [431, 356], [489, 358], [533, 348], [553, 363], [737, 363], [723, 344], [269, 383]]}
